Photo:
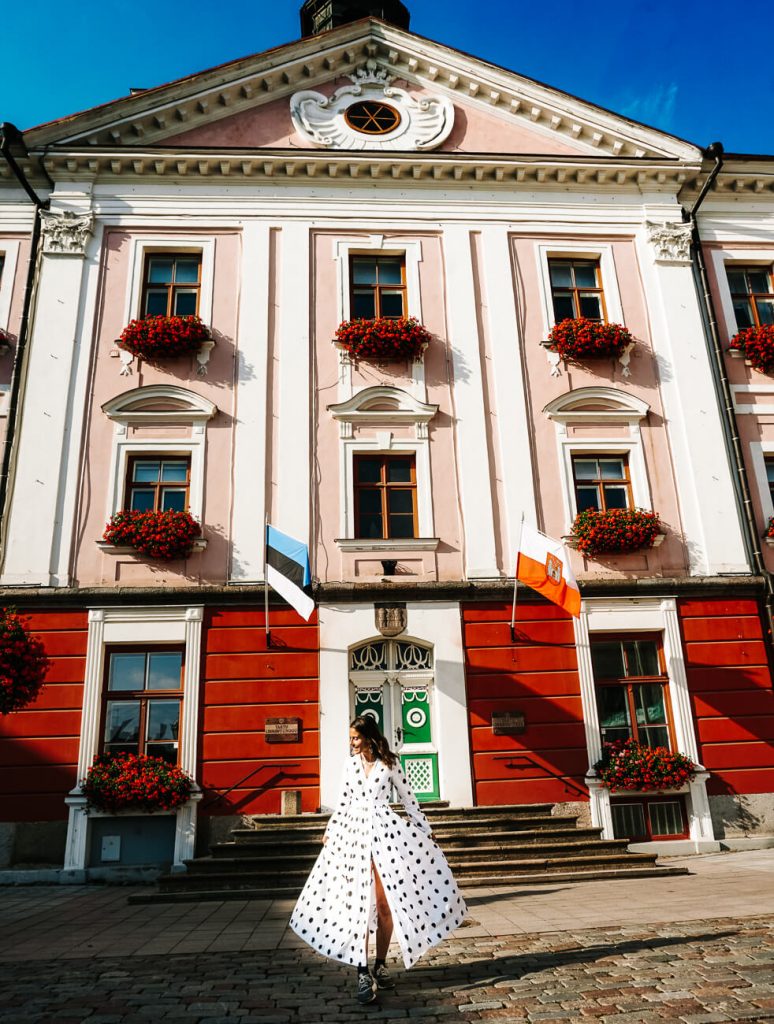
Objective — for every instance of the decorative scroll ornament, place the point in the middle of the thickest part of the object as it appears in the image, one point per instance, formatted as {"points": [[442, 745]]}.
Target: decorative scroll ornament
{"points": [[413, 122], [671, 241], [66, 233]]}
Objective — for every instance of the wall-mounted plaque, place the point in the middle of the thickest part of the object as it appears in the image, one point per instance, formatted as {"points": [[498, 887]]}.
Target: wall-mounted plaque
{"points": [[283, 730], [508, 723]]}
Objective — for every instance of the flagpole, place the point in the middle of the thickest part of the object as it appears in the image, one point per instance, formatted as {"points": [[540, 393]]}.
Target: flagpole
{"points": [[266, 582], [516, 583]]}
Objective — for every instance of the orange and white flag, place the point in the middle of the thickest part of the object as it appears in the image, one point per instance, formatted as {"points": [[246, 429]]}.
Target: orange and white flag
{"points": [[544, 565]]}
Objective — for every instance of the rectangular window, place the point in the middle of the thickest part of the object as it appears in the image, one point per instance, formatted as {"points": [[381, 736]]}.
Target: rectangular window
{"points": [[378, 286], [171, 284], [649, 818], [385, 496], [752, 293], [142, 701], [156, 484], [601, 482], [632, 690], [576, 289], [769, 460]]}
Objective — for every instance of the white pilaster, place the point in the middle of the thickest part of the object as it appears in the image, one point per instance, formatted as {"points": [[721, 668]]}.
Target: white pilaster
{"points": [[708, 506], [42, 463], [292, 459], [250, 437], [475, 479], [510, 392]]}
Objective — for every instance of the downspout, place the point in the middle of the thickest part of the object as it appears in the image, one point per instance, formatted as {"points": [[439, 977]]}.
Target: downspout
{"points": [[723, 385], [11, 136]]}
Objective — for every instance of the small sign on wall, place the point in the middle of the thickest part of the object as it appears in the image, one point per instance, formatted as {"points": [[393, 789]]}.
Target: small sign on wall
{"points": [[508, 723], [283, 730]]}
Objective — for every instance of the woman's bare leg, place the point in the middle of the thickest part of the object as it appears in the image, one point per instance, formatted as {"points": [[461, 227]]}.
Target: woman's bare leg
{"points": [[383, 918]]}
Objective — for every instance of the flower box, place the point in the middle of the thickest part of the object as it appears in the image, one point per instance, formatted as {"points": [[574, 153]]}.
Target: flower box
{"points": [[629, 766], [383, 339], [579, 339], [23, 663], [156, 338], [757, 345], [165, 536], [135, 782], [616, 531]]}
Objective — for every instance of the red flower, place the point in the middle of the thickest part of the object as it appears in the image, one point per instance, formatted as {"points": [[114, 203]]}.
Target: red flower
{"points": [[615, 531], [23, 663], [384, 338], [581, 338], [163, 337], [122, 781], [757, 343], [162, 535], [629, 765]]}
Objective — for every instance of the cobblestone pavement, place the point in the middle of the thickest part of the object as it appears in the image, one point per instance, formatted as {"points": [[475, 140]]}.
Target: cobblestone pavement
{"points": [[698, 973]]}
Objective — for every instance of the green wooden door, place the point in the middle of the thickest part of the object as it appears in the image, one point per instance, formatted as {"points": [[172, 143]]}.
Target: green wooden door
{"points": [[419, 760]]}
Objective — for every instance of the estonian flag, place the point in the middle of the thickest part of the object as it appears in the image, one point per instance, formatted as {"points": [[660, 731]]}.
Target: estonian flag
{"points": [[287, 570]]}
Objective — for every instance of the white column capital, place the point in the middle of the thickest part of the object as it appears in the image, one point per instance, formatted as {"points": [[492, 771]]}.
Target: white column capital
{"points": [[66, 233]]}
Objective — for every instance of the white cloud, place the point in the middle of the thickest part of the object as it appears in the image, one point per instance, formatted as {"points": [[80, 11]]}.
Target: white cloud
{"points": [[655, 108]]}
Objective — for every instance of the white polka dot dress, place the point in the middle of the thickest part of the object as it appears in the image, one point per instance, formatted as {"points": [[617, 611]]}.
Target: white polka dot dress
{"points": [[336, 907]]}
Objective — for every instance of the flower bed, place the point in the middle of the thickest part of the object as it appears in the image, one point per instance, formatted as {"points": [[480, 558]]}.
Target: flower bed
{"points": [[632, 766], [121, 782], [757, 345], [163, 337], [616, 531], [162, 535], [23, 663], [384, 338], [581, 338]]}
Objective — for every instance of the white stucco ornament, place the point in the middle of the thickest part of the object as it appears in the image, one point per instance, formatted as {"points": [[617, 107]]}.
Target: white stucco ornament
{"points": [[672, 241], [66, 233], [371, 114]]}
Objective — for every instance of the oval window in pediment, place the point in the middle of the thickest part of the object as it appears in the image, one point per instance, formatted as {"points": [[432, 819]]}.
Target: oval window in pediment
{"points": [[371, 117]]}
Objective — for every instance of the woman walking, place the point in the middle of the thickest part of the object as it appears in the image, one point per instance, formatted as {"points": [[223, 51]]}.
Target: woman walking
{"points": [[377, 871]]}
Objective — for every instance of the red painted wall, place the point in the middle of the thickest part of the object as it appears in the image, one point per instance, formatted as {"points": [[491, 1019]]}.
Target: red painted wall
{"points": [[39, 745], [731, 693], [244, 684], [537, 676]]}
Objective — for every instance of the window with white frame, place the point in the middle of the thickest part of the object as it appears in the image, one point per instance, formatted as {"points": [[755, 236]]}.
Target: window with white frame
{"points": [[9, 253], [158, 473], [171, 275], [745, 279], [598, 471], [578, 280], [385, 497]]}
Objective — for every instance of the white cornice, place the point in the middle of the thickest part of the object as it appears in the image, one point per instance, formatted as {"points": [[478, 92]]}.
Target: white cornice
{"points": [[158, 114]]}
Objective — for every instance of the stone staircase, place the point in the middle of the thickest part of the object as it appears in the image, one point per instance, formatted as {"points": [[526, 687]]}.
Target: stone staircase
{"points": [[485, 846]]}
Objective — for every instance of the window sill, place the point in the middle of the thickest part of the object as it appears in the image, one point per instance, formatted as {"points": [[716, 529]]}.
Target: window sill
{"points": [[769, 542], [198, 545], [392, 544], [571, 542]]}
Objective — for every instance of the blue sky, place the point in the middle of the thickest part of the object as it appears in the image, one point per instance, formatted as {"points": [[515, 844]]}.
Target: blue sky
{"points": [[702, 71]]}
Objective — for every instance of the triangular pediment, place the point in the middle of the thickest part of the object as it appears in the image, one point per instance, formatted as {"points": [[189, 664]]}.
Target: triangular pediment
{"points": [[247, 104]]}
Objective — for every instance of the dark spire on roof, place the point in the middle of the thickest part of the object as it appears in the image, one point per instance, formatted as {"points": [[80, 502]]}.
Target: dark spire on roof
{"points": [[321, 15]]}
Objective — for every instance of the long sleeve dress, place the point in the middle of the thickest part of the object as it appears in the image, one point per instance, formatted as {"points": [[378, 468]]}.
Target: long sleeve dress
{"points": [[336, 908]]}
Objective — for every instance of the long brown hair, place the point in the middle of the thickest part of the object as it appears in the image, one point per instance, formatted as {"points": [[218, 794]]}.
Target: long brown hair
{"points": [[368, 728]]}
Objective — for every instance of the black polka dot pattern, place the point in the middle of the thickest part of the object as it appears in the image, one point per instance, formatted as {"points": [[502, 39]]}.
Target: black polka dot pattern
{"points": [[336, 908]]}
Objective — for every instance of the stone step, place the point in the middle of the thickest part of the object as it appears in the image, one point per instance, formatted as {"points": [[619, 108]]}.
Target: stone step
{"points": [[434, 811]]}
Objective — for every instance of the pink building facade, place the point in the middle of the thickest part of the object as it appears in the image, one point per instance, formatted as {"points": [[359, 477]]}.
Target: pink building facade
{"points": [[487, 206]]}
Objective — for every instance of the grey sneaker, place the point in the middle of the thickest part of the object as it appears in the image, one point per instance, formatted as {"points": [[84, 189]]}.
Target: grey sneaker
{"points": [[382, 977], [365, 988]]}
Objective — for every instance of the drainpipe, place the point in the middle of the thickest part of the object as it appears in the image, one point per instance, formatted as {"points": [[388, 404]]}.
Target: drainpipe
{"points": [[10, 136], [723, 385]]}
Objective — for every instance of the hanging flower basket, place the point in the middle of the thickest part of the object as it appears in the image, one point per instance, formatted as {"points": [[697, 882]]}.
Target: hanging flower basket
{"points": [[581, 339], [630, 765], [135, 782], [161, 535], [383, 339], [616, 531], [23, 663], [757, 345], [163, 337]]}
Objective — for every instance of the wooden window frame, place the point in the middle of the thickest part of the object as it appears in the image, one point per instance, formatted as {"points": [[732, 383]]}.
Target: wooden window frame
{"points": [[645, 802], [599, 482], [384, 487], [750, 296], [377, 288], [160, 457], [171, 286], [629, 682], [395, 115], [575, 290], [143, 696], [768, 460]]}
